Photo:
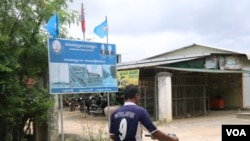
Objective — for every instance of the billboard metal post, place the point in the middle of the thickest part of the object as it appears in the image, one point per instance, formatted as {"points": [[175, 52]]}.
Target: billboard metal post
{"points": [[61, 114]]}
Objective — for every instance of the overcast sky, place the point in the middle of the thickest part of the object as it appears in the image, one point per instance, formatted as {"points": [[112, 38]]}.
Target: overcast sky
{"points": [[144, 28]]}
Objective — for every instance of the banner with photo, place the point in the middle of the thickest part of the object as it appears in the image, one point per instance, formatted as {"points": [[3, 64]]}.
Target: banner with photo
{"points": [[127, 77]]}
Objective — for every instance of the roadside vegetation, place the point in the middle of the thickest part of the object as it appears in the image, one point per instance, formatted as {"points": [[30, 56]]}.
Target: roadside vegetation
{"points": [[25, 101]]}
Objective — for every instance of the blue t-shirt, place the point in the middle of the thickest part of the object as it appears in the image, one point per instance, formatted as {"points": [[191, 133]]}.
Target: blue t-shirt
{"points": [[126, 123]]}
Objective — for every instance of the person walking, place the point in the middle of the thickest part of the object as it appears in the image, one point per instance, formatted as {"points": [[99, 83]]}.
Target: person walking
{"points": [[127, 122]]}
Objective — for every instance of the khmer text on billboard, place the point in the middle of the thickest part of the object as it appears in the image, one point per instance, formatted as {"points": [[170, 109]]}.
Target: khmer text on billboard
{"points": [[81, 67]]}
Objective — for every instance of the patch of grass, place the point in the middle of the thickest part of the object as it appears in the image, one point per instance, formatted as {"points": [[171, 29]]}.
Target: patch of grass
{"points": [[95, 132]]}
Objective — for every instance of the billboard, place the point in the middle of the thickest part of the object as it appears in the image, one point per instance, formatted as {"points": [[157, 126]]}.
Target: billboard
{"points": [[127, 77], [81, 67]]}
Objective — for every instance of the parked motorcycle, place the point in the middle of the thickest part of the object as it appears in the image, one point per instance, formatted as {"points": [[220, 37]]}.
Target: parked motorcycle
{"points": [[93, 105], [74, 102], [84, 105], [97, 107]]}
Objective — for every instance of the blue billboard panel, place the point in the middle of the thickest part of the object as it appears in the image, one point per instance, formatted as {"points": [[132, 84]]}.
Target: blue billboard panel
{"points": [[81, 67]]}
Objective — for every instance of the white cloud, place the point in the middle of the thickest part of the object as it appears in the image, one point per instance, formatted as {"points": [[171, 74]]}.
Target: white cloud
{"points": [[144, 28]]}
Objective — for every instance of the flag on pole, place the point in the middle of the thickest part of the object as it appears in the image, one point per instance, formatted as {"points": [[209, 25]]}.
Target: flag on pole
{"points": [[102, 29], [83, 20], [53, 26]]}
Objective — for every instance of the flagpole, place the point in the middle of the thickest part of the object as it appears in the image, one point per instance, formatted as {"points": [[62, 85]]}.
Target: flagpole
{"points": [[107, 29], [109, 114], [83, 36], [57, 25], [83, 22]]}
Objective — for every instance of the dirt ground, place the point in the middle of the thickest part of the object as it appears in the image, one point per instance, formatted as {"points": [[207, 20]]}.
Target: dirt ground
{"points": [[79, 126]]}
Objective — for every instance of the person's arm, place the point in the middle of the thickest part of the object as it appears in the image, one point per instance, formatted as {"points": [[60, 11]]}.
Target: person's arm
{"points": [[164, 137], [112, 137], [148, 124]]}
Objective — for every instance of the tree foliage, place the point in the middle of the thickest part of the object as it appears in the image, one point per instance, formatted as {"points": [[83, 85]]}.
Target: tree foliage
{"points": [[23, 60]]}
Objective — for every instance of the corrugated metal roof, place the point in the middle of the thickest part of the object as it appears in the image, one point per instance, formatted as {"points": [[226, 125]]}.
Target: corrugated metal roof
{"points": [[152, 62], [204, 70], [207, 49], [160, 60]]}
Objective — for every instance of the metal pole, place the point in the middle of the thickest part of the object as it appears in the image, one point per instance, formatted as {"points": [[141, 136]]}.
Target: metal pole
{"points": [[204, 100], [83, 22], [84, 108], [108, 112], [107, 38], [61, 113], [108, 93]]}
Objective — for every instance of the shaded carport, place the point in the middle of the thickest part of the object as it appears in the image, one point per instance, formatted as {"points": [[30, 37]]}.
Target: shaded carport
{"points": [[148, 81], [193, 87], [196, 91]]}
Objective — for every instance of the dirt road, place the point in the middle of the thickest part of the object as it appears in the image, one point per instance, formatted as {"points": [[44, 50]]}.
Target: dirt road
{"points": [[204, 128]]}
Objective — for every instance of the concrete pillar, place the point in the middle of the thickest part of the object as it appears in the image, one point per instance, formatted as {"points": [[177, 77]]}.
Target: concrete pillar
{"points": [[246, 89], [164, 97]]}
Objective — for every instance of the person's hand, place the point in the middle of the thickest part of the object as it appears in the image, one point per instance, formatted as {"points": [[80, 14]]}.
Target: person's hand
{"points": [[153, 137], [176, 138], [161, 136], [173, 136]]}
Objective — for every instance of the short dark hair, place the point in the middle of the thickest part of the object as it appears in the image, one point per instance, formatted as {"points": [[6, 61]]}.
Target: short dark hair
{"points": [[130, 91]]}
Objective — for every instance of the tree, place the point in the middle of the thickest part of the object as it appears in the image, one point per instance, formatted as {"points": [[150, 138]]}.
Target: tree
{"points": [[24, 97]]}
